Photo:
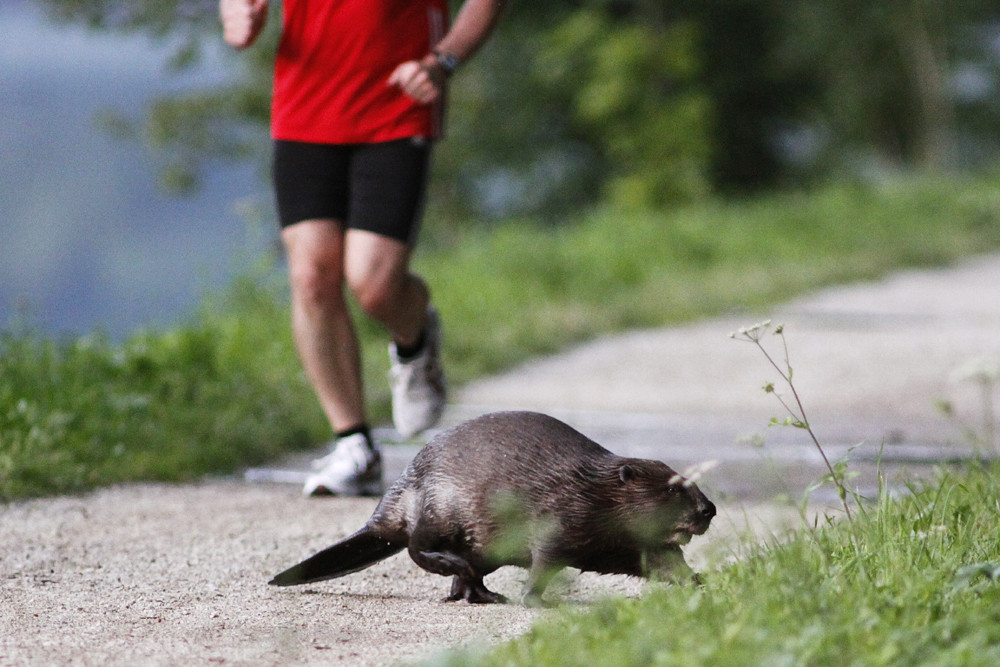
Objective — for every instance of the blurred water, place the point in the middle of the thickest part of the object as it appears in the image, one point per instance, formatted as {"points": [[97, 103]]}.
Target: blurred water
{"points": [[87, 239]]}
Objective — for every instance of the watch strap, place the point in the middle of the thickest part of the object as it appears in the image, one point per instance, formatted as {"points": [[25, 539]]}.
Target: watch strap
{"points": [[448, 62]]}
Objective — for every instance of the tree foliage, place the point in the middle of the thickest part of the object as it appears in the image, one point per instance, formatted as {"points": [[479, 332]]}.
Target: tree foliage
{"points": [[593, 105], [641, 102], [883, 73]]}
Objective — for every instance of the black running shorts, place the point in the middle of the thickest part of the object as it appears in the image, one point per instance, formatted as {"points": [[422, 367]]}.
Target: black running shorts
{"points": [[376, 187]]}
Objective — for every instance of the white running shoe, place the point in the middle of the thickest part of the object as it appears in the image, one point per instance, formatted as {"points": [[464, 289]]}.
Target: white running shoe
{"points": [[352, 468], [418, 385]]}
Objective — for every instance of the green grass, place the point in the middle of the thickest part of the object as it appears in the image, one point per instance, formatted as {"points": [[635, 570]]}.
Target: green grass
{"points": [[208, 396], [529, 288], [225, 389], [913, 581]]}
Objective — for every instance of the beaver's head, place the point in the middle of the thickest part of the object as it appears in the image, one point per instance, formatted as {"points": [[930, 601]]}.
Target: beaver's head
{"points": [[659, 506]]}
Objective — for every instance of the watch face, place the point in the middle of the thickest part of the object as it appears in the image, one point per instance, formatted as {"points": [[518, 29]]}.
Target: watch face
{"points": [[447, 61]]}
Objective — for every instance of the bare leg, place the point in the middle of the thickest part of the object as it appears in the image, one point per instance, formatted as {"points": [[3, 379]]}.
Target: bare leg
{"points": [[376, 268], [378, 272], [321, 322]]}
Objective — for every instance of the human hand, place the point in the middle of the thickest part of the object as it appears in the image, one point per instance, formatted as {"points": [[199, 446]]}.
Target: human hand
{"points": [[423, 80], [242, 21]]}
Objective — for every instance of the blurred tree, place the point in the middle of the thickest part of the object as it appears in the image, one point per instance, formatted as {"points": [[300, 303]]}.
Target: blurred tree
{"points": [[641, 102], [752, 100], [574, 102], [883, 73]]}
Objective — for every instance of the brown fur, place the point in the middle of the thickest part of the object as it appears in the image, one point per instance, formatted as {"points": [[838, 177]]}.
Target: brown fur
{"points": [[522, 488]]}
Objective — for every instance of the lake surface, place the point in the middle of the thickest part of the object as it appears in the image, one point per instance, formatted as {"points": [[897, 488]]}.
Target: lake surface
{"points": [[88, 240]]}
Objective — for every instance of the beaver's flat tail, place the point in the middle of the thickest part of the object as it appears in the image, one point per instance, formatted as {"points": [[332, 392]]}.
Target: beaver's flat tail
{"points": [[362, 549]]}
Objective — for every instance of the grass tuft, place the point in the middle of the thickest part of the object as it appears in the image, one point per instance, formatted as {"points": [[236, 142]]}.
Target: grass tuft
{"points": [[910, 581]]}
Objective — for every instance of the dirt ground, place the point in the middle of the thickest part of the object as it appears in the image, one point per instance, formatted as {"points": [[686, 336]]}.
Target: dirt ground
{"points": [[169, 575]]}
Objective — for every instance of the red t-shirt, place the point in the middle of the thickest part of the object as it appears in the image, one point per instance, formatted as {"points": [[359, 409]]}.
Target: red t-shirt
{"points": [[333, 64]]}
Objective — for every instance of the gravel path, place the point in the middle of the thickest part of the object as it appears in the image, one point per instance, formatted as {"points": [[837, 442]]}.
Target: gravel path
{"points": [[173, 575], [167, 575]]}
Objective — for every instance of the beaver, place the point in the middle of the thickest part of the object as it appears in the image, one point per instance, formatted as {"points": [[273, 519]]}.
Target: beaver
{"points": [[525, 489]]}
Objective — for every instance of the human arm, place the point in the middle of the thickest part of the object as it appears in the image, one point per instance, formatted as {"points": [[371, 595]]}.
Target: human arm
{"points": [[424, 79], [473, 25], [242, 21]]}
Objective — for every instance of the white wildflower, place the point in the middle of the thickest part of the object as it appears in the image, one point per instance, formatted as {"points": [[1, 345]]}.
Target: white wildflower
{"points": [[982, 370]]}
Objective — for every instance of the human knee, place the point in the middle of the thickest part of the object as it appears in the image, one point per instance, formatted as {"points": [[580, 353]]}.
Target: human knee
{"points": [[376, 297], [314, 281]]}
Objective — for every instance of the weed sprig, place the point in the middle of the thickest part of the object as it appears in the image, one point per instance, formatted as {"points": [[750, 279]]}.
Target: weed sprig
{"points": [[795, 409]]}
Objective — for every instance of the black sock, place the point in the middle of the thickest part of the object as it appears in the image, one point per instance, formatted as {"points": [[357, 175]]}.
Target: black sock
{"points": [[354, 430], [408, 352]]}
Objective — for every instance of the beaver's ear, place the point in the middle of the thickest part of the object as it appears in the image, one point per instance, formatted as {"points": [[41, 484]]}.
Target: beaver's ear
{"points": [[626, 473]]}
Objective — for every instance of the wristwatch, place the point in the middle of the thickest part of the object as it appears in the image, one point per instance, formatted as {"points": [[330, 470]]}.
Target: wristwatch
{"points": [[448, 62]]}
